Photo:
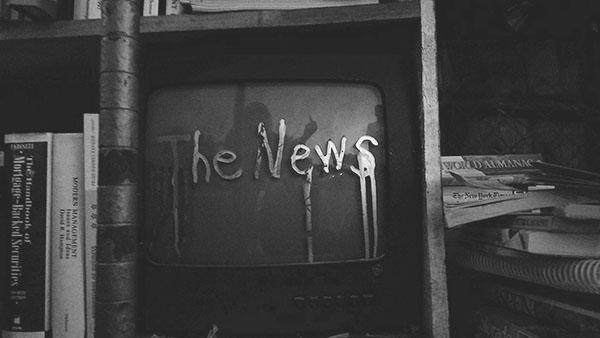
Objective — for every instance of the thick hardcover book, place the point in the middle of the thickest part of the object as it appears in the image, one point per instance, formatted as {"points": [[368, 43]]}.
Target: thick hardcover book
{"points": [[68, 311], [508, 169], [495, 322], [90, 158], [583, 319], [29, 169], [571, 274]]}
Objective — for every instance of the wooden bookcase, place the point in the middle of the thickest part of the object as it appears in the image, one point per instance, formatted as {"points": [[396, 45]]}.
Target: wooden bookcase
{"points": [[51, 73]]}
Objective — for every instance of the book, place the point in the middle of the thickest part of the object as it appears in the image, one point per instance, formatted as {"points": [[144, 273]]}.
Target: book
{"points": [[565, 273], [4, 10], [577, 316], [150, 8], [4, 235], [173, 7], [507, 169], [581, 211], [90, 158], [39, 10], [492, 322], [67, 296], [531, 200], [80, 9], [94, 9], [542, 221], [29, 166], [245, 5], [567, 173], [537, 242]]}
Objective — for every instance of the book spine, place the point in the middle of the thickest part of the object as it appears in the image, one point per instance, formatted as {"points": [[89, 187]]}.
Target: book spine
{"points": [[220, 6], [29, 172], [507, 169], [94, 9], [4, 233], [585, 323], [68, 311], [150, 8], [571, 274], [80, 9], [173, 7], [491, 164], [117, 173], [90, 159]]}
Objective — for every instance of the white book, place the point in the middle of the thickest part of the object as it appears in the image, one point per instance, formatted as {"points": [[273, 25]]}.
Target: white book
{"points": [[29, 166], [80, 9], [150, 8], [91, 125], [68, 316], [94, 9], [173, 7], [244, 5]]}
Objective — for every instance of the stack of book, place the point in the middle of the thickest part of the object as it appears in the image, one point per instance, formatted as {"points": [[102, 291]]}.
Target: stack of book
{"points": [[245, 5], [50, 195], [44, 10], [520, 218], [504, 308]]}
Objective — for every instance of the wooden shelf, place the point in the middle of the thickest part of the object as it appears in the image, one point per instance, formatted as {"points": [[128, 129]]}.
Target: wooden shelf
{"points": [[194, 23], [161, 26], [15, 31]]}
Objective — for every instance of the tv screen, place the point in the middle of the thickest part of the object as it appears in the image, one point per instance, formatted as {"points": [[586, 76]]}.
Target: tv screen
{"points": [[267, 173], [281, 192]]}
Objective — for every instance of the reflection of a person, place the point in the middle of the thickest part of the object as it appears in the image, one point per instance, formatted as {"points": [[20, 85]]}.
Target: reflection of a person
{"points": [[244, 136], [375, 129], [264, 203]]}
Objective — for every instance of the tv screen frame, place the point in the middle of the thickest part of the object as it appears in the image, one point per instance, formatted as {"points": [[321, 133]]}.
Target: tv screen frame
{"points": [[359, 296], [270, 173]]}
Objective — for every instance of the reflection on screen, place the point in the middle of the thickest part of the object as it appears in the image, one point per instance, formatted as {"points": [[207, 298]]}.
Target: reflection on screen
{"points": [[264, 173]]}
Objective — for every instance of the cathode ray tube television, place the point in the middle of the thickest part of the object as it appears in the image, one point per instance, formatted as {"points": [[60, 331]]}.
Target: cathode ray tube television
{"points": [[282, 201]]}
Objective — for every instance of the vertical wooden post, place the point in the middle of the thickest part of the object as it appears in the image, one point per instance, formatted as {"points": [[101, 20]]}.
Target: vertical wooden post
{"points": [[118, 172], [435, 288]]}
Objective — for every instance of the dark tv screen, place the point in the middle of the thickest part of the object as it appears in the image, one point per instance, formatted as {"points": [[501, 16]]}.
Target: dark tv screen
{"points": [[265, 173]]}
